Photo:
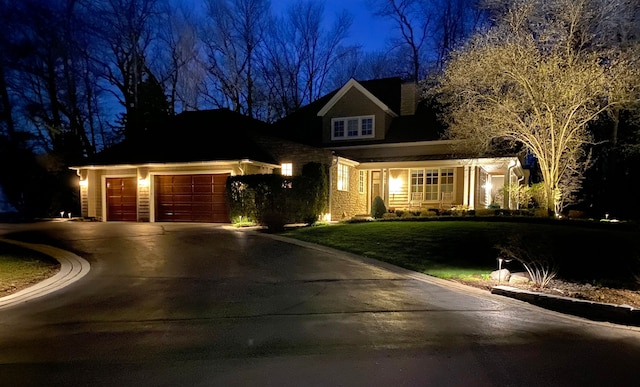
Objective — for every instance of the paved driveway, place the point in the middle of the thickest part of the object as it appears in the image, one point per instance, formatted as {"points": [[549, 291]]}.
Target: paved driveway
{"points": [[203, 305]]}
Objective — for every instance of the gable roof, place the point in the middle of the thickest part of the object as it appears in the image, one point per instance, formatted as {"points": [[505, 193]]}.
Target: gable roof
{"points": [[305, 124], [352, 83]]}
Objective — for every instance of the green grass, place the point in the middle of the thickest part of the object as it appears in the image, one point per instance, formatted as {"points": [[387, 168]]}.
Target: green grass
{"points": [[460, 248], [20, 267]]}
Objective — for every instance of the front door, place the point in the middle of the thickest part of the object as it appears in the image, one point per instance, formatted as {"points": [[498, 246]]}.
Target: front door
{"points": [[376, 185]]}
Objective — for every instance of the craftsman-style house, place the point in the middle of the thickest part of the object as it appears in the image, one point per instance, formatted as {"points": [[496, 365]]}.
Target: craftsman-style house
{"points": [[375, 136]]}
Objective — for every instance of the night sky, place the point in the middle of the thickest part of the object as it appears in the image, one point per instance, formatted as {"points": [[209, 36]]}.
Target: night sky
{"points": [[369, 31]]}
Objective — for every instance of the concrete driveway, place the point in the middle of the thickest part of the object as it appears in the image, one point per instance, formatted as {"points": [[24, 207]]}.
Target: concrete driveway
{"points": [[205, 305]]}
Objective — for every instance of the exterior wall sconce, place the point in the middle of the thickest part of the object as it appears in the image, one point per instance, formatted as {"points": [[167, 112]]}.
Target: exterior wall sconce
{"points": [[84, 183], [143, 182], [395, 185]]}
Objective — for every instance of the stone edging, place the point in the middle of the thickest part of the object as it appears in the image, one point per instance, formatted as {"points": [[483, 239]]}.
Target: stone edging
{"points": [[72, 268], [617, 314]]}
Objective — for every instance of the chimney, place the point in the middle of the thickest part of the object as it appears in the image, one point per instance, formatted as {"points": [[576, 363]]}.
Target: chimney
{"points": [[408, 98]]}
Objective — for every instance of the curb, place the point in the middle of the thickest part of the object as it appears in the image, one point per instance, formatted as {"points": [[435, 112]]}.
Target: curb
{"points": [[72, 269], [617, 314]]}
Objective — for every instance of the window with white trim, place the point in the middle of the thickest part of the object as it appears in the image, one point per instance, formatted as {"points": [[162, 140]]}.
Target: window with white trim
{"points": [[343, 177], [432, 182], [286, 169], [362, 181], [417, 183], [348, 128]]}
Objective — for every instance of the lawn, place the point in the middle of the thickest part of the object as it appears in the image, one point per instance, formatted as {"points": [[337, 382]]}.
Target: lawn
{"points": [[591, 252], [20, 268]]}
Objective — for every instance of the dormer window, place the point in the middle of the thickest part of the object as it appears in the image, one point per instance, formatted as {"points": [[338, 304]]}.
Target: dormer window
{"points": [[349, 128]]}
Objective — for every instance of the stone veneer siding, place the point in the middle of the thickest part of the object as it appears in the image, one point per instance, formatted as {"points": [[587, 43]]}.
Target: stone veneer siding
{"points": [[346, 204]]}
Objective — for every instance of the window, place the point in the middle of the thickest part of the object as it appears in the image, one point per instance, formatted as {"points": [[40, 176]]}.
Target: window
{"points": [[343, 177], [362, 180], [367, 127], [430, 183], [338, 129], [287, 169], [417, 183], [352, 128], [446, 180]]}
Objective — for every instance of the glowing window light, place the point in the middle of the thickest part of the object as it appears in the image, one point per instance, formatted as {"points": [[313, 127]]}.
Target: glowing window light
{"points": [[395, 185], [287, 169]]}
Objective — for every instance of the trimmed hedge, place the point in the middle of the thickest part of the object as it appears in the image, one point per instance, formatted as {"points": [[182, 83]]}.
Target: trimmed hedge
{"points": [[274, 200]]}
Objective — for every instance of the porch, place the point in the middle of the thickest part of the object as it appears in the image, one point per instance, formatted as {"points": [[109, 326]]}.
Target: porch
{"points": [[464, 184]]}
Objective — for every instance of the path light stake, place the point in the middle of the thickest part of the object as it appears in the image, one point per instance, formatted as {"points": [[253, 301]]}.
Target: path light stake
{"points": [[500, 260]]}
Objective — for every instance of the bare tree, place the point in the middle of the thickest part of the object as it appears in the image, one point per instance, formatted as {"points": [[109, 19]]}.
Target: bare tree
{"points": [[427, 30], [178, 61], [413, 20], [234, 31], [125, 31], [303, 55], [538, 79], [48, 71]]}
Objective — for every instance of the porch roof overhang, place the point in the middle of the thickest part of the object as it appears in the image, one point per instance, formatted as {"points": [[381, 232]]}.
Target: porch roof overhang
{"points": [[493, 165]]}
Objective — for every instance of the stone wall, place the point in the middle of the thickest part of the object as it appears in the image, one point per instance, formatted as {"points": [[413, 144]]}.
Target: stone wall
{"points": [[346, 204]]}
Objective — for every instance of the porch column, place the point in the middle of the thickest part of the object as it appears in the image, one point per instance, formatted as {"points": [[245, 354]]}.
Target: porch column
{"points": [[472, 187], [465, 181]]}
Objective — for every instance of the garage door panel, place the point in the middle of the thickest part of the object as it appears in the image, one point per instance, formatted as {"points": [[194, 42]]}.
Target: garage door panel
{"points": [[220, 180], [203, 179], [122, 199], [191, 198], [203, 189], [203, 198]]}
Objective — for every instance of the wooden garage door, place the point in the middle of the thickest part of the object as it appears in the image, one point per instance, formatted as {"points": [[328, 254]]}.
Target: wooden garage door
{"points": [[191, 198], [122, 199]]}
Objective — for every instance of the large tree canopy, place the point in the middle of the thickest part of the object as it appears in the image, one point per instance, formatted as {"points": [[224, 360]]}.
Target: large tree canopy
{"points": [[538, 78]]}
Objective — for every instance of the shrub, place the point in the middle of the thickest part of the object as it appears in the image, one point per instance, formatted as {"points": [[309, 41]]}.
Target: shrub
{"points": [[275, 200], [428, 213], [378, 209]]}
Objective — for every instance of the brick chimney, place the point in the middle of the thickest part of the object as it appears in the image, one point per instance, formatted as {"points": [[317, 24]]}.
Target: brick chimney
{"points": [[408, 98]]}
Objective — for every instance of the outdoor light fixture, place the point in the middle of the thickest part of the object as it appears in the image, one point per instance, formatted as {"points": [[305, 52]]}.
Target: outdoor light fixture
{"points": [[84, 183], [395, 185], [500, 260], [143, 182]]}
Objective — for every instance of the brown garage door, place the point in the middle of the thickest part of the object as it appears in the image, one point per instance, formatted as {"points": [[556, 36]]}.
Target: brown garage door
{"points": [[121, 199], [191, 198]]}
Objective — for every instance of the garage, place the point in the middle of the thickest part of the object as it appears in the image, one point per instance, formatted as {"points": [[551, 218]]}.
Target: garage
{"points": [[121, 196], [191, 198]]}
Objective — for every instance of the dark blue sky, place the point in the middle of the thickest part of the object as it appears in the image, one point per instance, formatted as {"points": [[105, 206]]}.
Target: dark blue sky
{"points": [[370, 31]]}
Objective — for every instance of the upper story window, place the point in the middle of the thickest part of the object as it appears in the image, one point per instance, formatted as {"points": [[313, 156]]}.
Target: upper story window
{"points": [[356, 127], [287, 169]]}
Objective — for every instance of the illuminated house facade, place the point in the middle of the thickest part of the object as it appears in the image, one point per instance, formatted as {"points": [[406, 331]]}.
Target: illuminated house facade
{"points": [[375, 136]]}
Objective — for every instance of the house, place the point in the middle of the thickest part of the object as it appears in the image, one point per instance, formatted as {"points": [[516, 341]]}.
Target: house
{"points": [[375, 136]]}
